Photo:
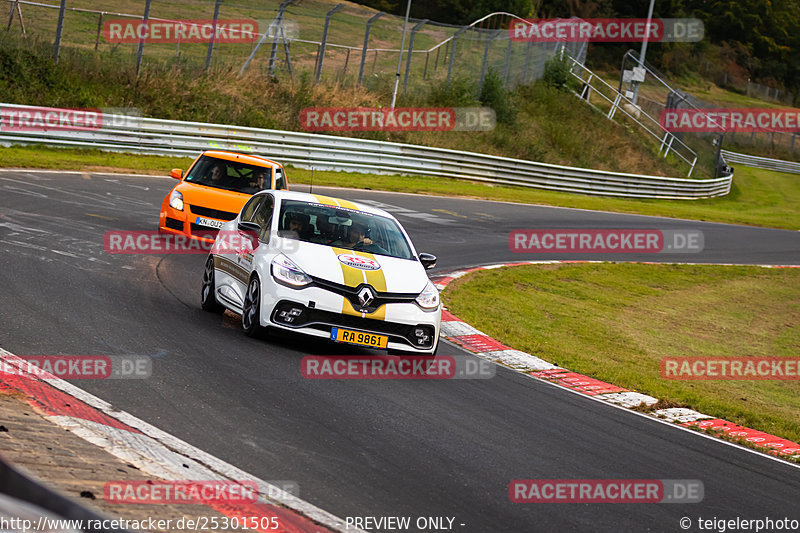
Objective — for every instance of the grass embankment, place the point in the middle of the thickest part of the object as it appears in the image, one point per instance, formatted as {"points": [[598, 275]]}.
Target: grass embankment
{"points": [[536, 122], [615, 322], [759, 197]]}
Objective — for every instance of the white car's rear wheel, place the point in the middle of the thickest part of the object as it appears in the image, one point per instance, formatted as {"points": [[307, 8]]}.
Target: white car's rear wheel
{"points": [[208, 301], [251, 311]]}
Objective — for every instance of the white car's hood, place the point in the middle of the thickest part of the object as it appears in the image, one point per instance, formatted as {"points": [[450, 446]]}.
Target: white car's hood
{"points": [[353, 268]]}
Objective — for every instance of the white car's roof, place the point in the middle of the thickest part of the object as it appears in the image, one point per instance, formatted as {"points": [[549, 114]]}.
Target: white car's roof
{"points": [[328, 200]]}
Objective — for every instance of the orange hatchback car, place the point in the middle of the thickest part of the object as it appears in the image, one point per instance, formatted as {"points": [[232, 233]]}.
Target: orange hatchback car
{"points": [[214, 190]]}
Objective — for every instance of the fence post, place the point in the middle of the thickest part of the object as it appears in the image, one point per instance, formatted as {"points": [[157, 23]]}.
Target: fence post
{"points": [[453, 53], [346, 61], [508, 63], [261, 41], [140, 50], [60, 28], [321, 51], [527, 62], [10, 15], [366, 43], [489, 39], [99, 29], [425, 72], [286, 52], [210, 52], [279, 34], [410, 51]]}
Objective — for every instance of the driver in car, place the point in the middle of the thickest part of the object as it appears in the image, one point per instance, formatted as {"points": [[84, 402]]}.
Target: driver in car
{"points": [[356, 236]]}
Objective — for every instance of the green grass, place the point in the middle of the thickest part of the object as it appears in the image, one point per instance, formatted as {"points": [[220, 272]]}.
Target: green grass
{"points": [[759, 197], [615, 322]]}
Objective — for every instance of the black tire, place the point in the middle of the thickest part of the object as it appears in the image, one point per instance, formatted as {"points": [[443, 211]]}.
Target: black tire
{"points": [[208, 300], [251, 310]]}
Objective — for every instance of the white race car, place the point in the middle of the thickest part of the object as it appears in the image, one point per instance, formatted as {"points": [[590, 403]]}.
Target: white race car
{"points": [[325, 267]]}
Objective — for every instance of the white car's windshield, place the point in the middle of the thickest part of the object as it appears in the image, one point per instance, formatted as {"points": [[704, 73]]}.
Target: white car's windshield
{"points": [[342, 228]]}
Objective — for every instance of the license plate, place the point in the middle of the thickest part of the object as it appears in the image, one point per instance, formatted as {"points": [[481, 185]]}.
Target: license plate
{"points": [[209, 223], [359, 337]]}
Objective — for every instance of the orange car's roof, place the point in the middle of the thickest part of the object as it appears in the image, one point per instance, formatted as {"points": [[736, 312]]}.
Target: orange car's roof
{"points": [[245, 158]]}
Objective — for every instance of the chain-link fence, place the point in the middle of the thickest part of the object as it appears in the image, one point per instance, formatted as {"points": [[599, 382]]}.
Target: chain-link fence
{"points": [[330, 43]]}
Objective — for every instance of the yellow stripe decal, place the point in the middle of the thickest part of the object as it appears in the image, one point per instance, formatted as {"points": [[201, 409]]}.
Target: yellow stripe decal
{"points": [[377, 279], [326, 200], [347, 204], [353, 277]]}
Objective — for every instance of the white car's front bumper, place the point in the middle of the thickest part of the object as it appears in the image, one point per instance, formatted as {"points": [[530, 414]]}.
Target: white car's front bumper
{"points": [[320, 310]]}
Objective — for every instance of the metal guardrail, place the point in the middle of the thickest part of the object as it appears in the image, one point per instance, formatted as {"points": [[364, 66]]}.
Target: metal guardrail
{"points": [[327, 152], [761, 162]]}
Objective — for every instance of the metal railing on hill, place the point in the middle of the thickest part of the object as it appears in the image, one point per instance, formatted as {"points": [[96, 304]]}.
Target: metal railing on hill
{"points": [[761, 162]]}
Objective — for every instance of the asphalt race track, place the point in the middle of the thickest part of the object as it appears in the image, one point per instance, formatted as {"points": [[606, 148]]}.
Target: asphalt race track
{"points": [[360, 448]]}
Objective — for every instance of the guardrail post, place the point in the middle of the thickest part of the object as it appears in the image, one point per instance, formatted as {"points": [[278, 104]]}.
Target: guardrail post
{"points": [[453, 53], [140, 50], [484, 63], [60, 29], [366, 43], [410, 51], [321, 50], [210, 52]]}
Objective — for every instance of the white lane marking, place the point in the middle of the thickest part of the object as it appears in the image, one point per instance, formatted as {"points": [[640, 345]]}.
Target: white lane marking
{"points": [[404, 212], [26, 192], [161, 454]]}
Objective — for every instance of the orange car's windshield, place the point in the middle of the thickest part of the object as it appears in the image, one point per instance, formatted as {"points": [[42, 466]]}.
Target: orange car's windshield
{"points": [[230, 175]]}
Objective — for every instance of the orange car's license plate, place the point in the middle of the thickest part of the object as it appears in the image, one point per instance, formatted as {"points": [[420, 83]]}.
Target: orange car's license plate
{"points": [[359, 337]]}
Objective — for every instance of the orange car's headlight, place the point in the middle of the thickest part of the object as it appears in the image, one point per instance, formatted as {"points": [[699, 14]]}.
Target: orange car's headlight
{"points": [[176, 200]]}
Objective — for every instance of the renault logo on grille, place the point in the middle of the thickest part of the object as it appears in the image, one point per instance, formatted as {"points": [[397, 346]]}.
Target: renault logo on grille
{"points": [[365, 296]]}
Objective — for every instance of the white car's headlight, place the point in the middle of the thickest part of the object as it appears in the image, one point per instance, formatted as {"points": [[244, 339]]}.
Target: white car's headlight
{"points": [[284, 269], [429, 297], [176, 200]]}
